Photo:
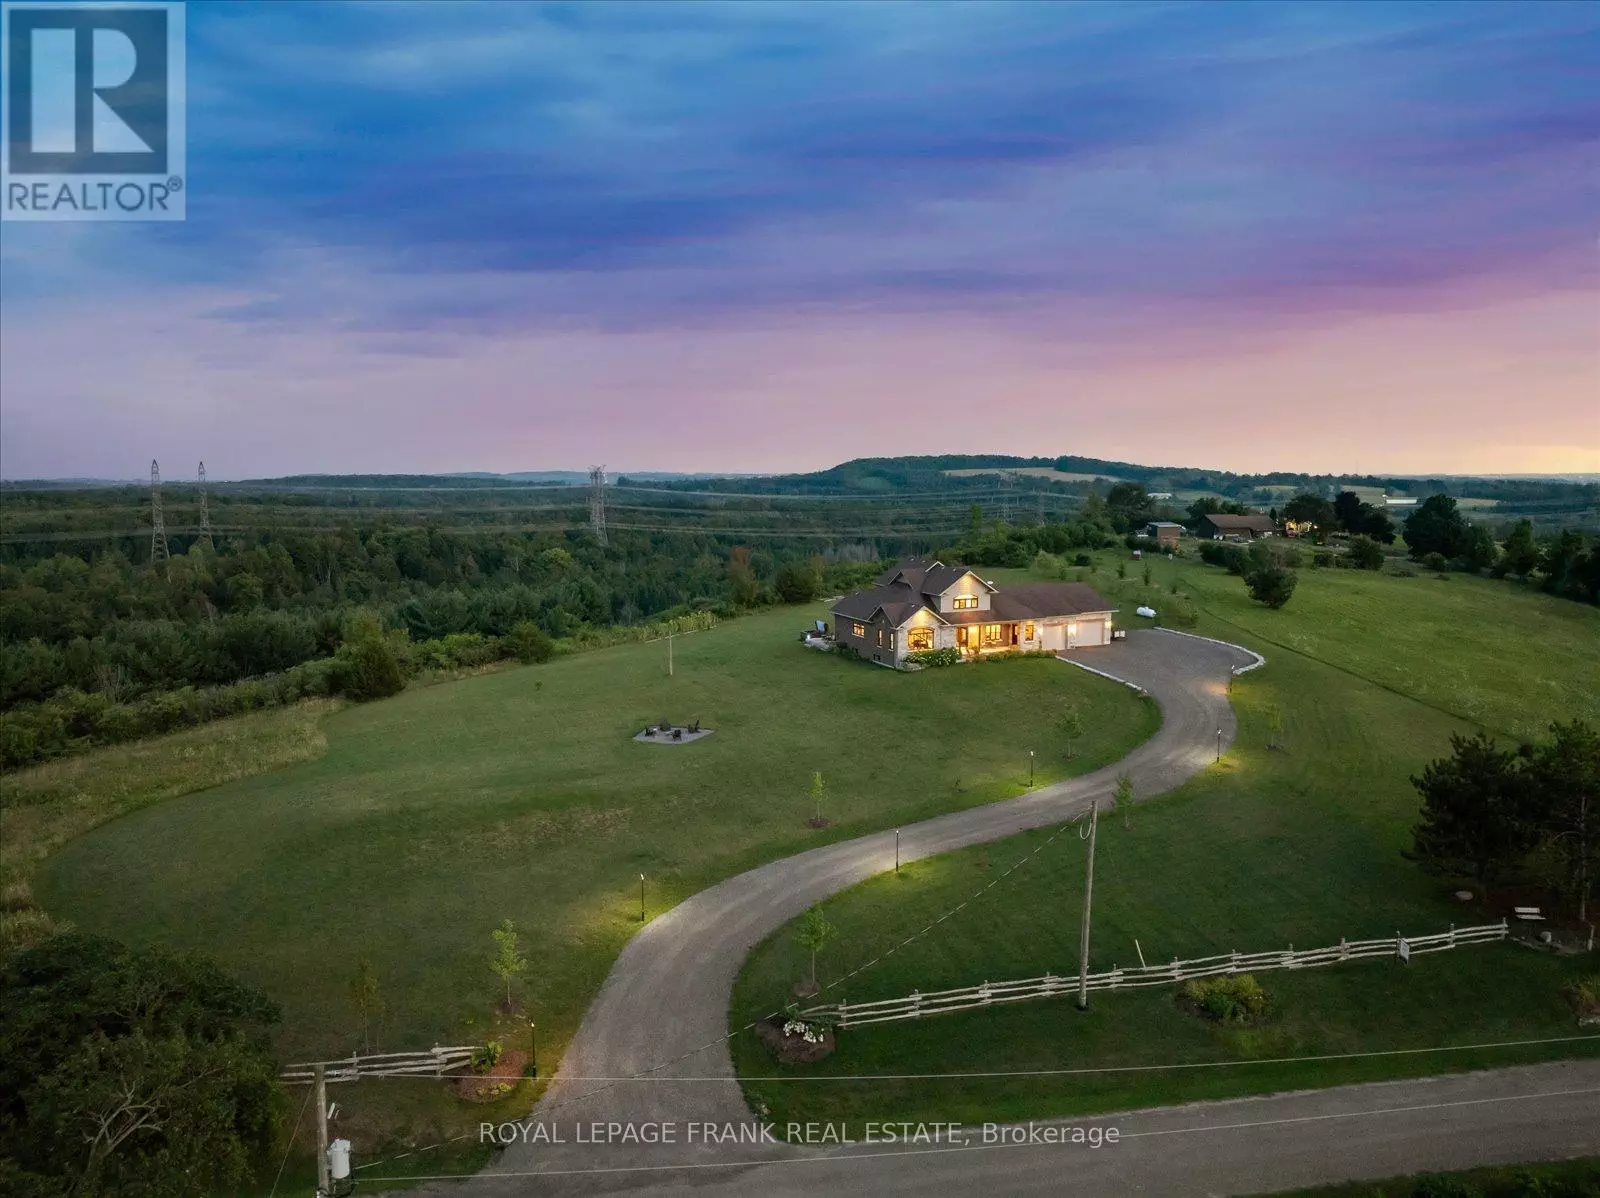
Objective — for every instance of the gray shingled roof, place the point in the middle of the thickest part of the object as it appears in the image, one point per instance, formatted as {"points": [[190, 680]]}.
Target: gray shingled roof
{"points": [[1028, 601]]}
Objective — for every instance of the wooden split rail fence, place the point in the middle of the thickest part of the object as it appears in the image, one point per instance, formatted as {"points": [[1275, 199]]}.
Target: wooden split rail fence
{"points": [[917, 1005], [434, 1062]]}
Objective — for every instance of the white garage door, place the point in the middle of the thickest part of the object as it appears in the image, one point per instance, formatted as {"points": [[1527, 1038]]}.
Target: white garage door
{"points": [[1053, 636], [1090, 632]]}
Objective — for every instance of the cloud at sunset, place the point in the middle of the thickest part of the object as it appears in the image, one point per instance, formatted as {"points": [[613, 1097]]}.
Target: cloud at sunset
{"points": [[494, 237]]}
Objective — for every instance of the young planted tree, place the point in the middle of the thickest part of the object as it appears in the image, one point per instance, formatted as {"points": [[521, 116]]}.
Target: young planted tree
{"points": [[1070, 725], [367, 999], [506, 962], [1274, 727], [814, 932], [1477, 813], [1122, 799], [818, 792]]}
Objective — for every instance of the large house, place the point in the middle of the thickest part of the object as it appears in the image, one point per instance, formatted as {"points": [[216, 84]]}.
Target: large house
{"points": [[1221, 526], [925, 604]]}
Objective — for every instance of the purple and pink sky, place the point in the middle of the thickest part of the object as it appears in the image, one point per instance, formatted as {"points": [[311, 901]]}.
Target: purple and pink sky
{"points": [[440, 237]]}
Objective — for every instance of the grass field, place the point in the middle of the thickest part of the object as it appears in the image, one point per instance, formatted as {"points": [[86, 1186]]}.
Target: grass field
{"points": [[1551, 1179], [431, 816], [1271, 847]]}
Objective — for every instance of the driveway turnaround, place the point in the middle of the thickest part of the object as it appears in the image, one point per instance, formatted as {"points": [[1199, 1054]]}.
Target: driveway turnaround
{"points": [[652, 1051]]}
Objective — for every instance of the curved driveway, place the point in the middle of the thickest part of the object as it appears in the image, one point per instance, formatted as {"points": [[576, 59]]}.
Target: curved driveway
{"points": [[663, 1011]]}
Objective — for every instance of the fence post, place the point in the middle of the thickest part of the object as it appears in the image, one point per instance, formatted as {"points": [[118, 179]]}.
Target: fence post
{"points": [[916, 1004], [983, 992], [1344, 949], [1233, 963], [438, 1061], [1452, 935], [1177, 970]]}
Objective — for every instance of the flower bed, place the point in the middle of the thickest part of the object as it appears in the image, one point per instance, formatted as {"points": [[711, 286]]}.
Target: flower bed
{"points": [[499, 1080], [794, 1041]]}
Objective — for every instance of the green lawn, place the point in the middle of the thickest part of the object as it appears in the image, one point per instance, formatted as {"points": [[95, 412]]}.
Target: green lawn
{"points": [[431, 816], [1551, 1179], [1270, 848]]}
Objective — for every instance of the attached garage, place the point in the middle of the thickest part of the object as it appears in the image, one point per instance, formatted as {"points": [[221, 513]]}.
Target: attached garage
{"points": [[1087, 632]]}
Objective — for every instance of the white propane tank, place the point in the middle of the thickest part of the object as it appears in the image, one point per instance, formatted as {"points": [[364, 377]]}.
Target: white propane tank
{"points": [[339, 1160], [1148, 613]]}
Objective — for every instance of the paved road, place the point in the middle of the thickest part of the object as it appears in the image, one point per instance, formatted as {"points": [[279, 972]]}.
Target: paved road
{"points": [[663, 1009], [1245, 1146]]}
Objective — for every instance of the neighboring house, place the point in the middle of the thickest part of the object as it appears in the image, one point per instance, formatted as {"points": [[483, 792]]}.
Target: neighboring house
{"points": [[1220, 526], [1164, 533], [924, 604]]}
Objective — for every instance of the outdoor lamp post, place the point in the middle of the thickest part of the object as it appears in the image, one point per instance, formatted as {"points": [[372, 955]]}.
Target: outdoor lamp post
{"points": [[1030, 769], [897, 852], [641, 898], [1219, 744], [533, 1048]]}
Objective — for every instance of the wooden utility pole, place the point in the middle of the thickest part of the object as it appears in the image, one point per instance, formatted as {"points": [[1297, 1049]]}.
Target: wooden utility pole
{"points": [[1088, 897], [324, 1181]]}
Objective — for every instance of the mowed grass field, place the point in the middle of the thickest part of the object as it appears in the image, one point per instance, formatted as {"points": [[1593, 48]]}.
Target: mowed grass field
{"points": [[431, 816], [1270, 848]]}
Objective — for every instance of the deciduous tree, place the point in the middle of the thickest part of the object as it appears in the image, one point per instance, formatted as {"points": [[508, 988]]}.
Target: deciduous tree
{"points": [[506, 962], [812, 935], [131, 1072]]}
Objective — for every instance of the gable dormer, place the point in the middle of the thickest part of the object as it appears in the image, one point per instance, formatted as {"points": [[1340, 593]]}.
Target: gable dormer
{"points": [[966, 592]]}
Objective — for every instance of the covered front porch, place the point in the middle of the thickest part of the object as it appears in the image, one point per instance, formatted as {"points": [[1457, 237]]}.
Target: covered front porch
{"points": [[977, 638]]}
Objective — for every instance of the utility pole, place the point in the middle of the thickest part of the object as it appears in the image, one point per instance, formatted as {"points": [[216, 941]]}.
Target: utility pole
{"points": [[597, 502], [158, 526], [205, 512], [324, 1180], [1088, 898]]}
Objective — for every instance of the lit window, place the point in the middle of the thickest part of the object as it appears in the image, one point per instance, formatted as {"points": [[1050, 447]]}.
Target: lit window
{"points": [[994, 634], [891, 640], [1027, 631], [880, 636], [919, 638], [858, 630], [965, 602]]}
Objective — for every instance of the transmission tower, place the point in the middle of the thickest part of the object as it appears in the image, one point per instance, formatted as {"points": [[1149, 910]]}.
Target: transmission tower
{"points": [[1008, 485], [205, 511], [158, 526], [597, 502]]}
